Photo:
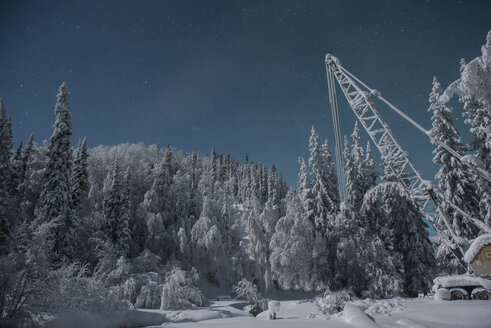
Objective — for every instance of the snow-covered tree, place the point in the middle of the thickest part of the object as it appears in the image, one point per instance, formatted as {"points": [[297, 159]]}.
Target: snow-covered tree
{"points": [[80, 178], [180, 290], [475, 88], [6, 144], [292, 246], [454, 178], [324, 186], [395, 250], [355, 179], [208, 252], [56, 203], [369, 173], [116, 212]]}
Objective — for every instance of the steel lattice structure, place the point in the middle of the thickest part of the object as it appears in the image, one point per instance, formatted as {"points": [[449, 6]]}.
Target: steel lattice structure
{"points": [[427, 198]]}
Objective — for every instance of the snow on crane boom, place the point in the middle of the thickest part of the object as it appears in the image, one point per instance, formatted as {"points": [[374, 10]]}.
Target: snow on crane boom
{"points": [[426, 196]]}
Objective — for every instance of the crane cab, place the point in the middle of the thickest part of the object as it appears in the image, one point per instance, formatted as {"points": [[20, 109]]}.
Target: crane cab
{"points": [[478, 256]]}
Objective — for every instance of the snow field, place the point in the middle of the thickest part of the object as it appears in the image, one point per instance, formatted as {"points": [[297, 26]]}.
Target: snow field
{"points": [[390, 313]]}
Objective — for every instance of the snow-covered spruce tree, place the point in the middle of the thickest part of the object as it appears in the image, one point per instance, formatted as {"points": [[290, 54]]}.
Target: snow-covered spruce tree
{"points": [[56, 203], [369, 173], [16, 175], [325, 201], [6, 144], [395, 250], [22, 202], [80, 177], [116, 214], [475, 88], [324, 186], [454, 178], [355, 179]]}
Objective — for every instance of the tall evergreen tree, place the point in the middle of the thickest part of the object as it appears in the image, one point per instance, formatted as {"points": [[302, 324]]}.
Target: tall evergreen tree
{"points": [[475, 87], [80, 177], [56, 192], [354, 171], [395, 250], [369, 174], [324, 187], [454, 178], [56, 195], [116, 212], [6, 144]]}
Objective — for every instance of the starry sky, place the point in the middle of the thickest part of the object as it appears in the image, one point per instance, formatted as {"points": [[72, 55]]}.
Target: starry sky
{"points": [[240, 76]]}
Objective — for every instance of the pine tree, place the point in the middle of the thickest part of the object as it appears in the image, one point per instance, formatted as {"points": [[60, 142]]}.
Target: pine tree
{"points": [[214, 171], [56, 195], [116, 212], [23, 203], [273, 196], [6, 144], [454, 178], [80, 177], [369, 174], [355, 188], [395, 250], [324, 187], [475, 86], [330, 178]]}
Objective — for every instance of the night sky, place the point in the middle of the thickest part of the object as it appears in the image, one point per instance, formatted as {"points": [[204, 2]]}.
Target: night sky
{"points": [[240, 76]]}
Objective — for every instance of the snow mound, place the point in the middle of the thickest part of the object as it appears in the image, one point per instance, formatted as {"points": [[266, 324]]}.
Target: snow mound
{"points": [[476, 247], [194, 315], [355, 316], [409, 323], [380, 307]]}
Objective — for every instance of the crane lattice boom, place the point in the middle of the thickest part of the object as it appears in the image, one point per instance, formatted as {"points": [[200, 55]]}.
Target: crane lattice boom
{"points": [[423, 193]]}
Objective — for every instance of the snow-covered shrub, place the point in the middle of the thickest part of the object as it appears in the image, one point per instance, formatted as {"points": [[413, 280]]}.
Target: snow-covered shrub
{"points": [[146, 262], [149, 297], [248, 291], [129, 290], [24, 272], [73, 289], [180, 290], [332, 302]]}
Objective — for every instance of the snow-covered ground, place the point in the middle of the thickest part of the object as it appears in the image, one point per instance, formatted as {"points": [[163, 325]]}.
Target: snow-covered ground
{"points": [[393, 313]]}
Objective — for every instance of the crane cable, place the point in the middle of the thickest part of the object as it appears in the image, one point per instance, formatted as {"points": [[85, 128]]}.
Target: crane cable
{"points": [[337, 135]]}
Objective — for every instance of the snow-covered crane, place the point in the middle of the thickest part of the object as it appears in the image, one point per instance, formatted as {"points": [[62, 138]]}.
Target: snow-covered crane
{"points": [[425, 195]]}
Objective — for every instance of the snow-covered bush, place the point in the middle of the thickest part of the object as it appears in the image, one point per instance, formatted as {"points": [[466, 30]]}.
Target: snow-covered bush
{"points": [[332, 302], [248, 291], [73, 289], [146, 262], [180, 290], [149, 297], [24, 272]]}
